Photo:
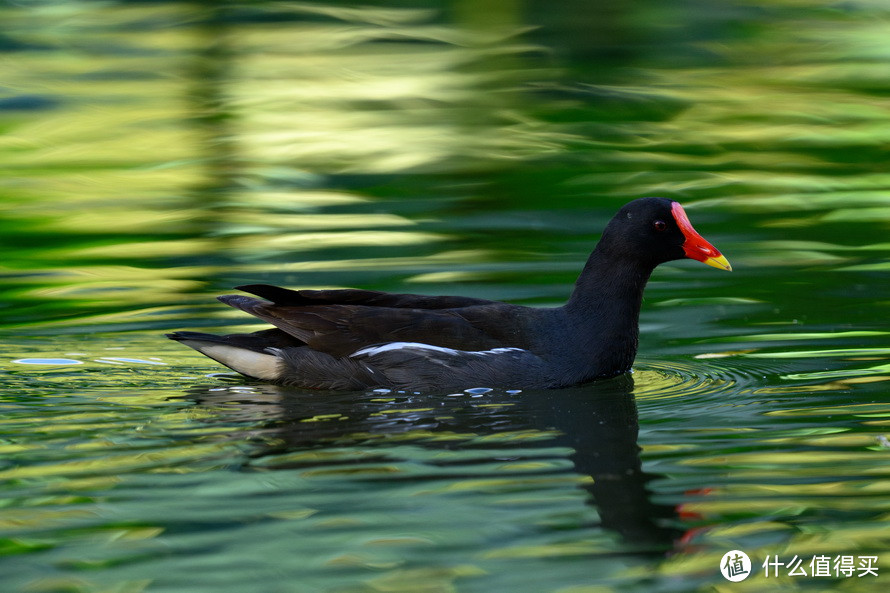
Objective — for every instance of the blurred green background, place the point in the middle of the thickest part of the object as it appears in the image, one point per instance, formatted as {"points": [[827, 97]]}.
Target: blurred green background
{"points": [[153, 154]]}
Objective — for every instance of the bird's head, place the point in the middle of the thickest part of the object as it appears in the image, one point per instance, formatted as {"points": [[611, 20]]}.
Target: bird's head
{"points": [[657, 230]]}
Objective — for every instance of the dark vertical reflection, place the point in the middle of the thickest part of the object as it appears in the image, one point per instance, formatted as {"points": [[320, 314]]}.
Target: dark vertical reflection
{"points": [[210, 73], [598, 422]]}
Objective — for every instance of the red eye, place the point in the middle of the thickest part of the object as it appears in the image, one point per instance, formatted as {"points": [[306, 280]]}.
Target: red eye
{"points": [[659, 225]]}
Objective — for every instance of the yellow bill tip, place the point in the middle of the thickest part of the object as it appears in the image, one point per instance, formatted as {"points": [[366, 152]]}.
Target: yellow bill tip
{"points": [[719, 262]]}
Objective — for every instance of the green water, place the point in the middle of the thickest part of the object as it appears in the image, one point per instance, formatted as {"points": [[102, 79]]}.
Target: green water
{"points": [[155, 154]]}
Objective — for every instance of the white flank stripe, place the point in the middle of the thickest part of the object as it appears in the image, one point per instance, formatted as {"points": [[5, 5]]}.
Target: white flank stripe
{"points": [[498, 351], [372, 350]]}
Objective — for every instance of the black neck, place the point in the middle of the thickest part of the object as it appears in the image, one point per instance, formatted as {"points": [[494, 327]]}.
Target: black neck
{"points": [[605, 310]]}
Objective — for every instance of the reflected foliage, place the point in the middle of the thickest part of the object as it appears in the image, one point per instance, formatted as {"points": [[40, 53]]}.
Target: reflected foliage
{"points": [[183, 147]]}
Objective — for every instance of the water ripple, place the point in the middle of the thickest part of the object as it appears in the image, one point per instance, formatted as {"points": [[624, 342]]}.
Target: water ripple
{"points": [[47, 361], [656, 379]]}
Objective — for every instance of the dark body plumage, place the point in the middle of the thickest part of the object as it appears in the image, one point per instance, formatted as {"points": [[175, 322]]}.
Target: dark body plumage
{"points": [[358, 339]]}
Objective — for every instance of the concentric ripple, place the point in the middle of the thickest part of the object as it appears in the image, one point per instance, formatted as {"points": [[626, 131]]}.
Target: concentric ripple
{"points": [[662, 379]]}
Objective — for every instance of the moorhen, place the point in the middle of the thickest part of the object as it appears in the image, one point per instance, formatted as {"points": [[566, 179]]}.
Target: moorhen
{"points": [[358, 339]]}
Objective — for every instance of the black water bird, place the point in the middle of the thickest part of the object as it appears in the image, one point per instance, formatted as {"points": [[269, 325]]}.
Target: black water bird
{"points": [[349, 339]]}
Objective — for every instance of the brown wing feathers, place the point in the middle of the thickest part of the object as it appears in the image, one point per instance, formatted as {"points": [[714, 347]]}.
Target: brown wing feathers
{"points": [[341, 329], [351, 296]]}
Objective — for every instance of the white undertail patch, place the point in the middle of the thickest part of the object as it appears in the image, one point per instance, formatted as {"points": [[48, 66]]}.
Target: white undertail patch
{"points": [[247, 362]]}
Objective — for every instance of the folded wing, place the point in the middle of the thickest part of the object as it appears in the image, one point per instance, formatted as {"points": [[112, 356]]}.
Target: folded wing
{"points": [[341, 322]]}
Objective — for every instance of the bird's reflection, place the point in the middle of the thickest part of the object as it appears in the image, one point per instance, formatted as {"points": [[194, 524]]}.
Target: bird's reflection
{"points": [[598, 422]]}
